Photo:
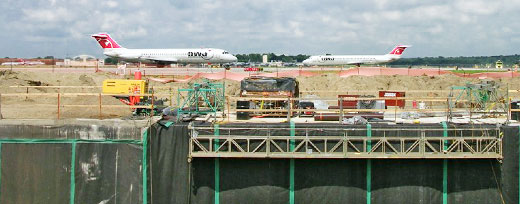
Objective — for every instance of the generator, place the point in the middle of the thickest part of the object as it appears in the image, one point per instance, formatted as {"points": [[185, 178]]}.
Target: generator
{"points": [[126, 86]]}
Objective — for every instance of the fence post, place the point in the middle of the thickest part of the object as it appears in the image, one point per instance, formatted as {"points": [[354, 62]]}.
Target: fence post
{"points": [[340, 109], [227, 102], [72, 173], [100, 113], [369, 164], [1, 117], [59, 106], [151, 110], [171, 96], [0, 168], [144, 165], [292, 145], [445, 166], [216, 133], [509, 113]]}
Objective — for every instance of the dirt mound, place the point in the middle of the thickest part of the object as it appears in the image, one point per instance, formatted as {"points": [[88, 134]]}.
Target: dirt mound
{"points": [[325, 86], [46, 106]]}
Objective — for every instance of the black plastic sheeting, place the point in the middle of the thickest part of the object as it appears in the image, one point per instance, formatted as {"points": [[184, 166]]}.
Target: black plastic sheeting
{"points": [[407, 181], [66, 131], [168, 165], [108, 173], [330, 181], [40, 172], [510, 168], [174, 180], [269, 84], [35, 173]]}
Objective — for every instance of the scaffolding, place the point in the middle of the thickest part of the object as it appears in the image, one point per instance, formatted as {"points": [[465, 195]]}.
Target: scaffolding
{"points": [[354, 143], [201, 98], [484, 98]]}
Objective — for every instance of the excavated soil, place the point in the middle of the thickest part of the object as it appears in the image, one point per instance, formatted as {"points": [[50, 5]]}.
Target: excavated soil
{"points": [[325, 86]]}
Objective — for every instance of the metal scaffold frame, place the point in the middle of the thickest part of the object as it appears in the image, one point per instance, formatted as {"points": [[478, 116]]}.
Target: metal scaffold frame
{"points": [[202, 98], [485, 98], [419, 146]]}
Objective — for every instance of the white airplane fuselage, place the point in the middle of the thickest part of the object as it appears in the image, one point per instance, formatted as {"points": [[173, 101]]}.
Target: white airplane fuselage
{"points": [[350, 59], [395, 54], [188, 56], [163, 56]]}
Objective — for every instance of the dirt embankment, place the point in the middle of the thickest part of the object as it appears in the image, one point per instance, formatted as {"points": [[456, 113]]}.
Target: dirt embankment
{"points": [[326, 86]]}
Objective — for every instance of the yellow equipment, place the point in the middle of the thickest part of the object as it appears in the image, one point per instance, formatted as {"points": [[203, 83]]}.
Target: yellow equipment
{"points": [[124, 86]]}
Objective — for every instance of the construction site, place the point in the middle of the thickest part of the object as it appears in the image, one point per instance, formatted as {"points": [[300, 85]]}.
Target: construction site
{"points": [[358, 135]]}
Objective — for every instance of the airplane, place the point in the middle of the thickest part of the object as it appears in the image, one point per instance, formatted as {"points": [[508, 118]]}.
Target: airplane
{"points": [[23, 62], [163, 56], [357, 60], [14, 63]]}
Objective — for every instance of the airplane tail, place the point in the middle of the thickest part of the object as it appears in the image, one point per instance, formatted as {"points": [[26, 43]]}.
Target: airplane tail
{"points": [[398, 50], [106, 41]]}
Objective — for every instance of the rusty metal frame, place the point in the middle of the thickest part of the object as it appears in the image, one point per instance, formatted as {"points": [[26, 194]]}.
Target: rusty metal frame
{"points": [[460, 146]]}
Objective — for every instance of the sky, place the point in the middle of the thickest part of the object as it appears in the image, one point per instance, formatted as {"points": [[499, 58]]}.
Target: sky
{"points": [[32, 28]]}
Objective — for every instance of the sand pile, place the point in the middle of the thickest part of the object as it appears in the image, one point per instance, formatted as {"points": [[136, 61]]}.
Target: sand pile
{"points": [[325, 86], [45, 106]]}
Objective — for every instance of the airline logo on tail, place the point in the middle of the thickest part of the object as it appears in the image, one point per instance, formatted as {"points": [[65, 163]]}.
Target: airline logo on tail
{"points": [[106, 41], [398, 50]]}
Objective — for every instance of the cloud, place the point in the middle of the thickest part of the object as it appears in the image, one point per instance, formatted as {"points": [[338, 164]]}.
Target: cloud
{"points": [[443, 27], [53, 15]]}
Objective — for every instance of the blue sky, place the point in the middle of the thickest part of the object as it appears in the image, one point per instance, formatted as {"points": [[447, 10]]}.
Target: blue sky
{"points": [[32, 28]]}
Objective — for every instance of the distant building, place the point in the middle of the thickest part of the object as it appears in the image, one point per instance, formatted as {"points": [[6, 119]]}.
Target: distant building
{"points": [[264, 59], [82, 61]]}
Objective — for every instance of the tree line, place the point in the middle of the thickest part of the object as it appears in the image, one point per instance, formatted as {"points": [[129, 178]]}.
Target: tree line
{"points": [[508, 60], [481, 61]]}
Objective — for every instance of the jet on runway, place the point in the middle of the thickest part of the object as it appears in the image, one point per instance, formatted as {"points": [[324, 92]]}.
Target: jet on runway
{"points": [[163, 56], [395, 54]]}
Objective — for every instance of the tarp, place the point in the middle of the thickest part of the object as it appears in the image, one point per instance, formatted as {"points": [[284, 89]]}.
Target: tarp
{"points": [[35, 173], [236, 76], [269, 84], [333, 180], [381, 71], [37, 163], [108, 173], [510, 164], [168, 164], [364, 71]]}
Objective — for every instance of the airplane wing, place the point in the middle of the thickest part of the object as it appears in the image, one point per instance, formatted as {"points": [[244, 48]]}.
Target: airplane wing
{"points": [[355, 62], [162, 59]]}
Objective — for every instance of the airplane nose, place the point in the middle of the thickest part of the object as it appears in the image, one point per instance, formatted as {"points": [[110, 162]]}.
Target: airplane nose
{"points": [[306, 62], [233, 58]]}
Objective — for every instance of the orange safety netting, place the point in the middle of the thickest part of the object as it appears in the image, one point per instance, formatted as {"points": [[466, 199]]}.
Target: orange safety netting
{"points": [[236, 76], [346, 73], [421, 72]]}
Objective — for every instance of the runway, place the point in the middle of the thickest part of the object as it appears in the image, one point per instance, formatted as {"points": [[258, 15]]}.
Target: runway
{"points": [[177, 71]]}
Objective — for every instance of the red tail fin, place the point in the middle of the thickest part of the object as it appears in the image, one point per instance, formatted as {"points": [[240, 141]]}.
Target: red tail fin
{"points": [[106, 41], [398, 50]]}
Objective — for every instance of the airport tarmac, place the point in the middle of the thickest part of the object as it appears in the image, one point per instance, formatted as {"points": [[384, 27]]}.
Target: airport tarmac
{"points": [[177, 71]]}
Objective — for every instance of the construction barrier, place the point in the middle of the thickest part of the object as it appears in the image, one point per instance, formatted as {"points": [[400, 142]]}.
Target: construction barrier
{"points": [[72, 164], [321, 180], [378, 71]]}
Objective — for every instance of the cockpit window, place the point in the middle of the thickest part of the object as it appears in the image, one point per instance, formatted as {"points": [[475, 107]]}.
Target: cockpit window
{"points": [[225, 52]]}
